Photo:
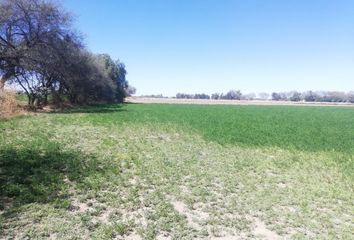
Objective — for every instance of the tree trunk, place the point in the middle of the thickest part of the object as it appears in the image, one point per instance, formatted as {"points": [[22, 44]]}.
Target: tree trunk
{"points": [[2, 83], [28, 100], [31, 100], [3, 79], [45, 99]]}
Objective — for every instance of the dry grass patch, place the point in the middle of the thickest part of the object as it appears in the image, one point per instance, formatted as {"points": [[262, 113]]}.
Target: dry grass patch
{"points": [[8, 104]]}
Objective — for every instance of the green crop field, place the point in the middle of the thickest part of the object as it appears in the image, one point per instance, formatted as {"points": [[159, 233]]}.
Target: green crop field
{"points": [[159, 171]]}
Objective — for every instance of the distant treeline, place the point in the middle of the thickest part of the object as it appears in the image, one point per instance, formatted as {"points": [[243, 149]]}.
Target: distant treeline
{"points": [[308, 96], [314, 96], [42, 53], [231, 95], [153, 96]]}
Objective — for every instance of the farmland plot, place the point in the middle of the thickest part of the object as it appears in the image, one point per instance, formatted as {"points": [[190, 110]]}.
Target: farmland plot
{"points": [[179, 172]]}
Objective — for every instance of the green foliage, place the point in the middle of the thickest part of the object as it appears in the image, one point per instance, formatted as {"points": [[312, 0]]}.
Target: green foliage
{"points": [[115, 72], [55, 62], [291, 127]]}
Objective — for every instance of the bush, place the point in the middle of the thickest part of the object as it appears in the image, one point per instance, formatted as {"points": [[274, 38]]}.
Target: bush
{"points": [[310, 96], [296, 97], [351, 97], [276, 96], [232, 95], [8, 103]]}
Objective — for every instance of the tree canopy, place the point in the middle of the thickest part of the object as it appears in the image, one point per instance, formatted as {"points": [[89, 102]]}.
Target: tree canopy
{"points": [[42, 52]]}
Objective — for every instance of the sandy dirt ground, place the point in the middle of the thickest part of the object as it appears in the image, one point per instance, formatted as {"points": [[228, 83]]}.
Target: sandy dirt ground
{"points": [[231, 102]]}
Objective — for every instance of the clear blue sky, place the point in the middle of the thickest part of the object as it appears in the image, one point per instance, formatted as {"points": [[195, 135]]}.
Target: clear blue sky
{"points": [[197, 46]]}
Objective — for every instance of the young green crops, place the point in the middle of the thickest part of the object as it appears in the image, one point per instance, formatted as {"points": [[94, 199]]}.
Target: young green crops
{"points": [[158, 171]]}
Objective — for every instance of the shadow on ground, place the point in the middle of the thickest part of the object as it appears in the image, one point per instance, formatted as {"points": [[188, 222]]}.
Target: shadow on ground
{"points": [[38, 176], [101, 108]]}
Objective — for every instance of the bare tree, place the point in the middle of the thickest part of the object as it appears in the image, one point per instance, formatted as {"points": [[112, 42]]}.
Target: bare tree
{"points": [[215, 96], [28, 27]]}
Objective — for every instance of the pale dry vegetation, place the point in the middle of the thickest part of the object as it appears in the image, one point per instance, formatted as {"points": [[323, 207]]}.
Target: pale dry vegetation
{"points": [[8, 104]]}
